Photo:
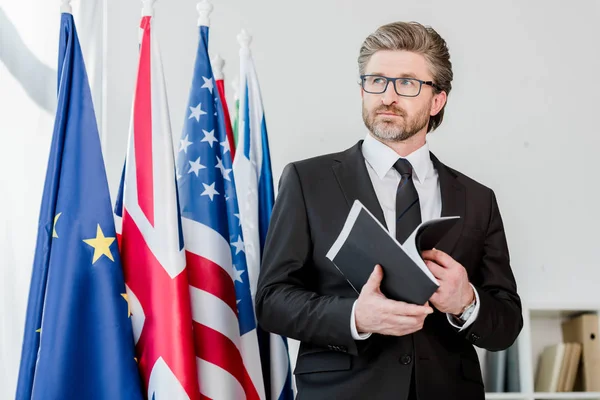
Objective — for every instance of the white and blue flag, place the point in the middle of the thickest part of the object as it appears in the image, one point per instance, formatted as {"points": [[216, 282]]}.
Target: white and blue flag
{"points": [[254, 186]]}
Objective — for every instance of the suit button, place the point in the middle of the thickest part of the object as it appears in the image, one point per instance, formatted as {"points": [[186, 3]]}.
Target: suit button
{"points": [[405, 359]]}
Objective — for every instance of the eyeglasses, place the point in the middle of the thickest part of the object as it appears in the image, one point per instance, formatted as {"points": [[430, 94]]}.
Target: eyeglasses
{"points": [[408, 87]]}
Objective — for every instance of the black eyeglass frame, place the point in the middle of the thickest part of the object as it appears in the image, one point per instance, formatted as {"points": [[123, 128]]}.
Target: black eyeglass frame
{"points": [[388, 80]]}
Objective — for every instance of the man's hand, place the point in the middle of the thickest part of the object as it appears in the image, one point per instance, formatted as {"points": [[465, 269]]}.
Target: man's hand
{"points": [[377, 314], [455, 292]]}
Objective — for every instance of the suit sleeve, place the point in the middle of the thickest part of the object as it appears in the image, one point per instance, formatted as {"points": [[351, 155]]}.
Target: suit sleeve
{"points": [[500, 318], [285, 305]]}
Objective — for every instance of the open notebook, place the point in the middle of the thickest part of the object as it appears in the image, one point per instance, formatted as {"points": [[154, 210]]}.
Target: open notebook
{"points": [[364, 242]]}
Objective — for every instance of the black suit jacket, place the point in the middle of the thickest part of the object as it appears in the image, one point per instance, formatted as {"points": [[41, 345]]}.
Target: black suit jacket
{"points": [[303, 296]]}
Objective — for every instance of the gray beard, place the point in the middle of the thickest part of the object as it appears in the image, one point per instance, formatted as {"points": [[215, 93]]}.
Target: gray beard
{"points": [[387, 130]]}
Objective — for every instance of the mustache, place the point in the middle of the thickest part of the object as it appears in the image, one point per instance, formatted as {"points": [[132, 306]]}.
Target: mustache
{"points": [[391, 110]]}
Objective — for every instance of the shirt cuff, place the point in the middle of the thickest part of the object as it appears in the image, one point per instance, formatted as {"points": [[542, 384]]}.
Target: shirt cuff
{"points": [[355, 334], [471, 319]]}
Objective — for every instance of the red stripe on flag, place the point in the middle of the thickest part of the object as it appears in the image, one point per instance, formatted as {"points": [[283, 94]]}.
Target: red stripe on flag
{"points": [[217, 349], [167, 330], [228, 128], [210, 277], [142, 127]]}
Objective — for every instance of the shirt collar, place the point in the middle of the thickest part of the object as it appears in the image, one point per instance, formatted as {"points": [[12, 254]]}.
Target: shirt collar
{"points": [[382, 158]]}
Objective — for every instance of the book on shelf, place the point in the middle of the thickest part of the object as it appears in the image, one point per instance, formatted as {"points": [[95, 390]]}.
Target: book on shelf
{"points": [[557, 367], [501, 370], [583, 329]]}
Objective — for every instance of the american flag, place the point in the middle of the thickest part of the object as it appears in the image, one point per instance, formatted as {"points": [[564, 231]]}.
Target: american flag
{"points": [[223, 314], [151, 241]]}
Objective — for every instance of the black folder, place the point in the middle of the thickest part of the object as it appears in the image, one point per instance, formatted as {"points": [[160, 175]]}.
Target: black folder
{"points": [[364, 242]]}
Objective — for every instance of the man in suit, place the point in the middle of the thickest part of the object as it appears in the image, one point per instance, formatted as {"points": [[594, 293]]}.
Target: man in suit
{"points": [[368, 346]]}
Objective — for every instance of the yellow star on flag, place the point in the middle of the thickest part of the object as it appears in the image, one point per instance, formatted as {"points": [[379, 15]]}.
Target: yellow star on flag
{"points": [[124, 295], [101, 245], [54, 234], [39, 330]]}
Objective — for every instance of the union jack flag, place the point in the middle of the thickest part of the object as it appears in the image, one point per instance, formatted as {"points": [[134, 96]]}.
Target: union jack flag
{"points": [[223, 314], [151, 241]]}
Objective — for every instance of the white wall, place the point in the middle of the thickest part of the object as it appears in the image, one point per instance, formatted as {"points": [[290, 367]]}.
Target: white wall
{"points": [[519, 119], [26, 102]]}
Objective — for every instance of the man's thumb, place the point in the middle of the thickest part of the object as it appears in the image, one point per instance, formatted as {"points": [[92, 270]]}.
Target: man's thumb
{"points": [[374, 279]]}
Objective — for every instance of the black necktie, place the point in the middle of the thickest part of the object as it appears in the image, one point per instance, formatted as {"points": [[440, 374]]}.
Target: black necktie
{"points": [[408, 210]]}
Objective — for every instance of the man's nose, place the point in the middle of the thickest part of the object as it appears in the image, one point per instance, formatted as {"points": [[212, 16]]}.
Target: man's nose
{"points": [[390, 96]]}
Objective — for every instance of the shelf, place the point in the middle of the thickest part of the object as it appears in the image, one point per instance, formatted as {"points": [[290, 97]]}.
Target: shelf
{"points": [[567, 395], [560, 314], [544, 396], [561, 306], [506, 396], [542, 326]]}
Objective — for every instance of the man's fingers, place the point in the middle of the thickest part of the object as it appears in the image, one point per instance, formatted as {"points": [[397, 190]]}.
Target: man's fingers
{"points": [[407, 320], [439, 257], [438, 271], [374, 281], [400, 308], [435, 298]]}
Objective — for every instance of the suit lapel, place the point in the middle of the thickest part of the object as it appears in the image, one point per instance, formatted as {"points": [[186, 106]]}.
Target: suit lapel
{"points": [[353, 178], [453, 203]]}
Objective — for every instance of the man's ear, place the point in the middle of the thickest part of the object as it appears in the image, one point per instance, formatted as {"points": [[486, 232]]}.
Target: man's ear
{"points": [[437, 103]]}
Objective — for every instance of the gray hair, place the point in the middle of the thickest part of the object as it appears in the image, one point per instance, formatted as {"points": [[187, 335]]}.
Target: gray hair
{"points": [[414, 37]]}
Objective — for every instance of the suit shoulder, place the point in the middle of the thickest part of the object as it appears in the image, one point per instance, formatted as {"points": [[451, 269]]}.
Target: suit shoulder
{"points": [[315, 164], [471, 184]]}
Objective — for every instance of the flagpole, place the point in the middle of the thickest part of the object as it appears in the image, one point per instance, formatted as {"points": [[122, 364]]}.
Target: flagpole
{"points": [[217, 65], [65, 7], [204, 9], [244, 39], [148, 8]]}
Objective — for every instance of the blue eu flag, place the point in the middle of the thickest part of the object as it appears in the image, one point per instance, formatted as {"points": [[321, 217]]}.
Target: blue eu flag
{"points": [[78, 341]]}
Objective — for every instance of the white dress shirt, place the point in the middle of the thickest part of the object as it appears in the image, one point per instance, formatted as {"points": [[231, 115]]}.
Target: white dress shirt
{"points": [[380, 160]]}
